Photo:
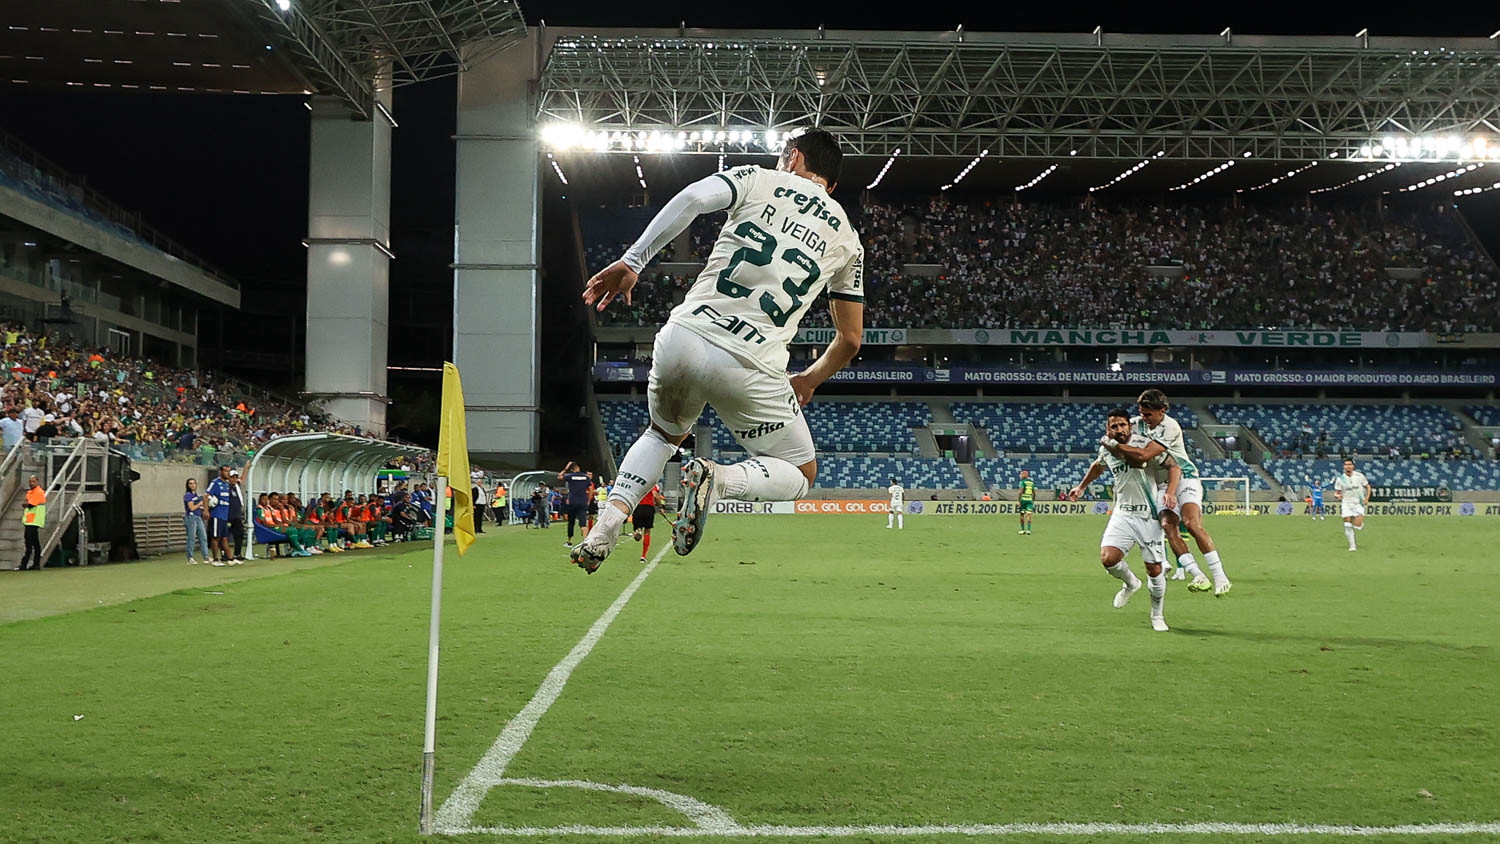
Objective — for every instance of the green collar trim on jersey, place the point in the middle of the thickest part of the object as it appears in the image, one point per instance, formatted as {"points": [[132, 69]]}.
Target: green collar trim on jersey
{"points": [[734, 195], [846, 297]]}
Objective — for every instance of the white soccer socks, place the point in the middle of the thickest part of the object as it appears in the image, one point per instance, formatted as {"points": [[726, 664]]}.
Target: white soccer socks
{"points": [[1215, 567], [900, 521], [763, 479], [1349, 532], [1186, 562], [890, 520], [1132, 585], [1156, 587], [640, 470]]}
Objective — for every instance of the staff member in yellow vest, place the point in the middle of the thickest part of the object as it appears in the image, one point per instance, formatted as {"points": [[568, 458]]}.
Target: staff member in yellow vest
{"points": [[34, 518]]}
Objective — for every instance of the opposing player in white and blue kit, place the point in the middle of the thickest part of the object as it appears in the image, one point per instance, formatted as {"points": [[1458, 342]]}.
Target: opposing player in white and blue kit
{"points": [[1136, 516], [1315, 509]]}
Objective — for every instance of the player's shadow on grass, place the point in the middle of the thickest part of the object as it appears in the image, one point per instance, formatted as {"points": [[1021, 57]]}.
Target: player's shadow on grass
{"points": [[1333, 641]]}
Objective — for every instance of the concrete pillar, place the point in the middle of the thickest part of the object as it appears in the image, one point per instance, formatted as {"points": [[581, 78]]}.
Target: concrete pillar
{"points": [[348, 261], [497, 250]]}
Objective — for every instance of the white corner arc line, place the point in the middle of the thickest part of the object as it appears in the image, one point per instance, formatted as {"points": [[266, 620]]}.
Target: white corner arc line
{"points": [[995, 830], [458, 810], [709, 818]]}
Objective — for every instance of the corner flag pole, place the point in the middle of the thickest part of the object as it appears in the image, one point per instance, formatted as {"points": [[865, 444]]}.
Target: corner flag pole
{"points": [[429, 738]]}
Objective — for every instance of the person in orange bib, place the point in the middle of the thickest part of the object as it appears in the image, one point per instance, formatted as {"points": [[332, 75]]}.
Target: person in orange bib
{"points": [[33, 519]]}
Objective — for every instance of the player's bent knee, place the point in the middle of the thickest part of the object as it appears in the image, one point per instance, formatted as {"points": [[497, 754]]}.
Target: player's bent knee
{"points": [[809, 471]]}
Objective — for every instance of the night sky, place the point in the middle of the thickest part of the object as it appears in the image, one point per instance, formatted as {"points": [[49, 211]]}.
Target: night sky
{"points": [[227, 175]]}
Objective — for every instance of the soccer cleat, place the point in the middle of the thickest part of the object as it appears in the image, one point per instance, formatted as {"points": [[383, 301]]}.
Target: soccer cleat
{"points": [[1159, 624], [1021, 532], [1123, 596], [217, 563], [1222, 587], [643, 559], [593, 550], [698, 494], [1179, 574], [1200, 584]]}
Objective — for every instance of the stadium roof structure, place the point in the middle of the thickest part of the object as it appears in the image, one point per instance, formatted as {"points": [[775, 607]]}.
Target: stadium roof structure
{"points": [[1021, 95], [343, 48]]}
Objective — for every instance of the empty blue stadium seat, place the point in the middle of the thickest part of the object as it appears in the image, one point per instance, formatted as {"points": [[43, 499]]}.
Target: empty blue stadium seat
{"points": [[876, 473], [866, 426], [1485, 414], [1361, 427]]}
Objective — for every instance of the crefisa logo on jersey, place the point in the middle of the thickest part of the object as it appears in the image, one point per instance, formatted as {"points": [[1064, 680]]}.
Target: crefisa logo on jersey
{"points": [[810, 205], [760, 430]]}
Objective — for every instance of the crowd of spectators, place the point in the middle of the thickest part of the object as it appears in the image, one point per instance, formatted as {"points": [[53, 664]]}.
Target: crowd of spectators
{"points": [[1207, 266], [62, 390]]}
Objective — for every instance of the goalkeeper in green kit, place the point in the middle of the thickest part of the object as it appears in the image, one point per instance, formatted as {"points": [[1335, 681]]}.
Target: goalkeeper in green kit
{"points": [[1028, 502]]}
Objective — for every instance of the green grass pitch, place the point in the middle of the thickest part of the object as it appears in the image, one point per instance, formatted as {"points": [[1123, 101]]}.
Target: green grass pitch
{"points": [[795, 671]]}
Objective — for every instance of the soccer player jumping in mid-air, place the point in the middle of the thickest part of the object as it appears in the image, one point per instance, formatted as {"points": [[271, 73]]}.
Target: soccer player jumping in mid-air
{"points": [[786, 239], [1164, 435]]}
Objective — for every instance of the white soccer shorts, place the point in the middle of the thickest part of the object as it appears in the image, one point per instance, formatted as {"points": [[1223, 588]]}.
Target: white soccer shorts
{"points": [[1189, 491], [760, 409], [1127, 530], [1349, 509]]}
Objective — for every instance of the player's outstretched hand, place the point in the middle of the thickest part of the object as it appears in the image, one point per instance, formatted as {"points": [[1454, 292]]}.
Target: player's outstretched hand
{"points": [[802, 387], [617, 279], [1074, 493]]}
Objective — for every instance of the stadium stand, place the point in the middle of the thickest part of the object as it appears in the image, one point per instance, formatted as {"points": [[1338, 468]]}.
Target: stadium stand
{"points": [[149, 411], [1484, 414], [876, 472], [1308, 429], [1450, 474], [999, 264], [866, 426]]}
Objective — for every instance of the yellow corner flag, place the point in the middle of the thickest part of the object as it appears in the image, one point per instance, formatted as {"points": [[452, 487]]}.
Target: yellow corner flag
{"points": [[453, 457]]}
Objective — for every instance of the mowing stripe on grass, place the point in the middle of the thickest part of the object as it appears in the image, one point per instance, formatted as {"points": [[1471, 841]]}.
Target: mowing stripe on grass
{"points": [[458, 810], [983, 830]]}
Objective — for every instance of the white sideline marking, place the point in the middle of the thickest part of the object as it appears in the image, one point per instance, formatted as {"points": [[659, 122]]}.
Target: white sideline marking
{"points": [[982, 830], [458, 810]]}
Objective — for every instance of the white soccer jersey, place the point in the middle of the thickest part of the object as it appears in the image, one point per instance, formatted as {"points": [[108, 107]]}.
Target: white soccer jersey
{"points": [[1169, 434], [1135, 489], [1352, 486], [898, 496], [785, 240]]}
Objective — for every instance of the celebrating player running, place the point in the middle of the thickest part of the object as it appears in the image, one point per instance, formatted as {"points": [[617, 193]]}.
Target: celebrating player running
{"points": [[1135, 519], [1164, 436], [726, 344]]}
